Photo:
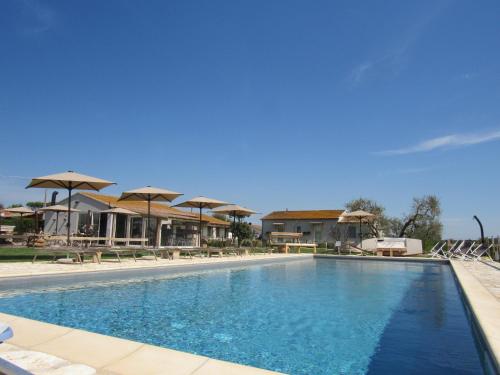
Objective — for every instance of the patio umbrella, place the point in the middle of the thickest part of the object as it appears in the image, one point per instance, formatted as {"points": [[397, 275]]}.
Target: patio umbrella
{"points": [[201, 203], [235, 211], [57, 208], [69, 181], [20, 211], [360, 215], [149, 194]]}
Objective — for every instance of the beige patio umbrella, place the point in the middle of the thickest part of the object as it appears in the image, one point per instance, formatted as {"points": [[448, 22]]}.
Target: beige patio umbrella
{"points": [[235, 211], [20, 211], [359, 215], [201, 203], [119, 210], [57, 208], [149, 194], [69, 181]]}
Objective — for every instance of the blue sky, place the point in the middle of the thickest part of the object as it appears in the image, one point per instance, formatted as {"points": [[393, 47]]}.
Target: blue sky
{"points": [[268, 104]]}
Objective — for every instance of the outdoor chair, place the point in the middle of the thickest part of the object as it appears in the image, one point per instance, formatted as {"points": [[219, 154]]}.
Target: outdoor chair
{"points": [[117, 251], [477, 253], [457, 251], [7, 367], [233, 250], [358, 250], [464, 250], [446, 252], [437, 249], [40, 363]]}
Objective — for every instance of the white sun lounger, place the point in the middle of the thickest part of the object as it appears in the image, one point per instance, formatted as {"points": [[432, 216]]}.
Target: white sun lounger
{"points": [[477, 253], [437, 250]]}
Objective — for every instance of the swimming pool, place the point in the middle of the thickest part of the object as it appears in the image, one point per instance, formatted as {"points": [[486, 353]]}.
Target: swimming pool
{"points": [[307, 316]]}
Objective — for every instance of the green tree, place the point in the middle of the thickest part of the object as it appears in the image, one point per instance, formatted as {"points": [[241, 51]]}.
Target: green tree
{"points": [[242, 230], [34, 205], [220, 217], [423, 220]]}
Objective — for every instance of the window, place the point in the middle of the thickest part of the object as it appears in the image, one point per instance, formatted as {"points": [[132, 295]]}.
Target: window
{"points": [[136, 227], [299, 229], [279, 227], [351, 232], [151, 234], [121, 226]]}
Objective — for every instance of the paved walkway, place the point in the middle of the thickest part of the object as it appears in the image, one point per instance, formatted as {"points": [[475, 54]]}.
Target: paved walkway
{"points": [[487, 273], [13, 269]]}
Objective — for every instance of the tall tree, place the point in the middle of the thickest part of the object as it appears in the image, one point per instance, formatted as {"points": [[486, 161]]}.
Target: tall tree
{"points": [[423, 221]]}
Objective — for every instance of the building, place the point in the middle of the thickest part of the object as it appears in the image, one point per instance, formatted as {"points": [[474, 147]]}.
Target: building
{"points": [[169, 226], [318, 226]]}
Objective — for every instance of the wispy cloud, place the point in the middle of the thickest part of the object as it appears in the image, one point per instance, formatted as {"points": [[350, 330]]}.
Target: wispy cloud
{"points": [[446, 142], [406, 171], [40, 17], [395, 56], [358, 73]]}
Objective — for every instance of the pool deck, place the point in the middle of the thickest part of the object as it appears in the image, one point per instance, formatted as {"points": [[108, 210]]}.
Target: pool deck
{"points": [[480, 283]]}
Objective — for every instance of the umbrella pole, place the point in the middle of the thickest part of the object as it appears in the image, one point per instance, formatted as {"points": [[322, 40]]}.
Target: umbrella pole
{"points": [[149, 215], [57, 221], [199, 229], [239, 226], [69, 213], [234, 227], [360, 234]]}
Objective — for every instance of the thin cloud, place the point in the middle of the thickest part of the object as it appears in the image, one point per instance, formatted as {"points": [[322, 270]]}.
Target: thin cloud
{"points": [[41, 18], [395, 57], [446, 142], [359, 72], [406, 171]]}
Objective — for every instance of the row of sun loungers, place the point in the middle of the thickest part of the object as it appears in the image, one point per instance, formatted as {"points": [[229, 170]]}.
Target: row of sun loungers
{"points": [[79, 253], [463, 250]]}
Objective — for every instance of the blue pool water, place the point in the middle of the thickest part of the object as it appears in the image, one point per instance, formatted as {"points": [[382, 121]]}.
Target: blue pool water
{"points": [[311, 316]]}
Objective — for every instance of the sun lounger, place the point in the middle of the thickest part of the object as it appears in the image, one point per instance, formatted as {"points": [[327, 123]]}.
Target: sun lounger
{"points": [[437, 249], [477, 253], [465, 249], [7, 367], [119, 251], [236, 251], [5, 332], [175, 252], [78, 253], [446, 252], [18, 361], [358, 250]]}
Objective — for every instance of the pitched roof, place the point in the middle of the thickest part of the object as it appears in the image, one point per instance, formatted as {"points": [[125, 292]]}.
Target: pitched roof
{"points": [[157, 209], [304, 215]]}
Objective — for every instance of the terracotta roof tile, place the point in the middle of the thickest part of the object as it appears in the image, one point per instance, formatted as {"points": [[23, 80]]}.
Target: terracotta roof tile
{"points": [[157, 209], [304, 215]]}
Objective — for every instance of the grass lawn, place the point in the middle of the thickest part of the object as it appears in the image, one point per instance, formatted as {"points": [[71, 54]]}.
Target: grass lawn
{"points": [[26, 254]]}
